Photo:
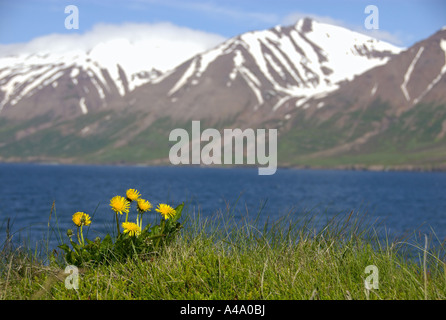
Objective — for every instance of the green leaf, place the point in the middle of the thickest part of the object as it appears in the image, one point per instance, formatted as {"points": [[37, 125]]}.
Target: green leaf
{"points": [[156, 230], [146, 228], [65, 248], [178, 212], [70, 258], [107, 241], [76, 247], [156, 236]]}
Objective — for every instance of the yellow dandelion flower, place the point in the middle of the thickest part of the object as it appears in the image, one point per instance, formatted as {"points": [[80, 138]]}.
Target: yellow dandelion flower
{"points": [[120, 204], [132, 195], [166, 210], [81, 219], [143, 205], [131, 228]]}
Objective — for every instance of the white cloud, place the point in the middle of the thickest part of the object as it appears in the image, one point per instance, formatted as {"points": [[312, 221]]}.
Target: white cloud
{"points": [[164, 44]]}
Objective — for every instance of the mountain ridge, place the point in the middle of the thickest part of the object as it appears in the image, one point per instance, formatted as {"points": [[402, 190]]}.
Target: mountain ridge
{"points": [[98, 78], [332, 96]]}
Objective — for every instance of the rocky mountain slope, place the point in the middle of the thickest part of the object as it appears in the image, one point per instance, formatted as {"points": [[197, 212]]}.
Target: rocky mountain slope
{"points": [[332, 93], [268, 67], [259, 72], [394, 114]]}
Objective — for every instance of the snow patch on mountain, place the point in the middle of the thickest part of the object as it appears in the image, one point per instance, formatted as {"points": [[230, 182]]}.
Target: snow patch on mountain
{"points": [[297, 61], [251, 80], [115, 58], [182, 81], [437, 78], [373, 91], [303, 60], [83, 106], [409, 72]]}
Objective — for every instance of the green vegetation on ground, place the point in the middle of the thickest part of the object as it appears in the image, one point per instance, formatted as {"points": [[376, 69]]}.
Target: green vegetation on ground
{"points": [[371, 136], [415, 138], [224, 257]]}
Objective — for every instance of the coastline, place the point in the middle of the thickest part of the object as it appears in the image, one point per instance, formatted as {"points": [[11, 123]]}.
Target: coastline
{"points": [[166, 163]]}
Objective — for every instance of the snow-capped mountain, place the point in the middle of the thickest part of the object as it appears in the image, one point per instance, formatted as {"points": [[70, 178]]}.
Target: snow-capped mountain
{"points": [[89, 76], [265, 70], [391, 115], [335, 96], [22, 76], [416, 75], [303, 60]]}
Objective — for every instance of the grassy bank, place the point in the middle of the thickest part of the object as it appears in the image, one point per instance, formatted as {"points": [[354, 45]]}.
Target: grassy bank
{"points": [[225, 258]]}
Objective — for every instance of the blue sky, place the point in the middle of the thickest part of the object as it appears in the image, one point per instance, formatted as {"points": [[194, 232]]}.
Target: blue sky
{"points": [[400, 22]]}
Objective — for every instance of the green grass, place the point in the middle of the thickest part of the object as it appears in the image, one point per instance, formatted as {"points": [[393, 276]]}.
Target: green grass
{"points": [[227, 258], [149, 144], [412, 139]]}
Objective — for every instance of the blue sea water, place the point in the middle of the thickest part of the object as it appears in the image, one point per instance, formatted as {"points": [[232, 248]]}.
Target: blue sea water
{"points": [[402, 201]]}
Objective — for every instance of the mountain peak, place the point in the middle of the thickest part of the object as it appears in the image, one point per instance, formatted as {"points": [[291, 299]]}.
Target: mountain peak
{"points": [[332, 92], [272, 66], [305, 25]]}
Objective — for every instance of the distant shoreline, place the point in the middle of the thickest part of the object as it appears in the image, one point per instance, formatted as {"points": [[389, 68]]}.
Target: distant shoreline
{"points": [[355, 167]]}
